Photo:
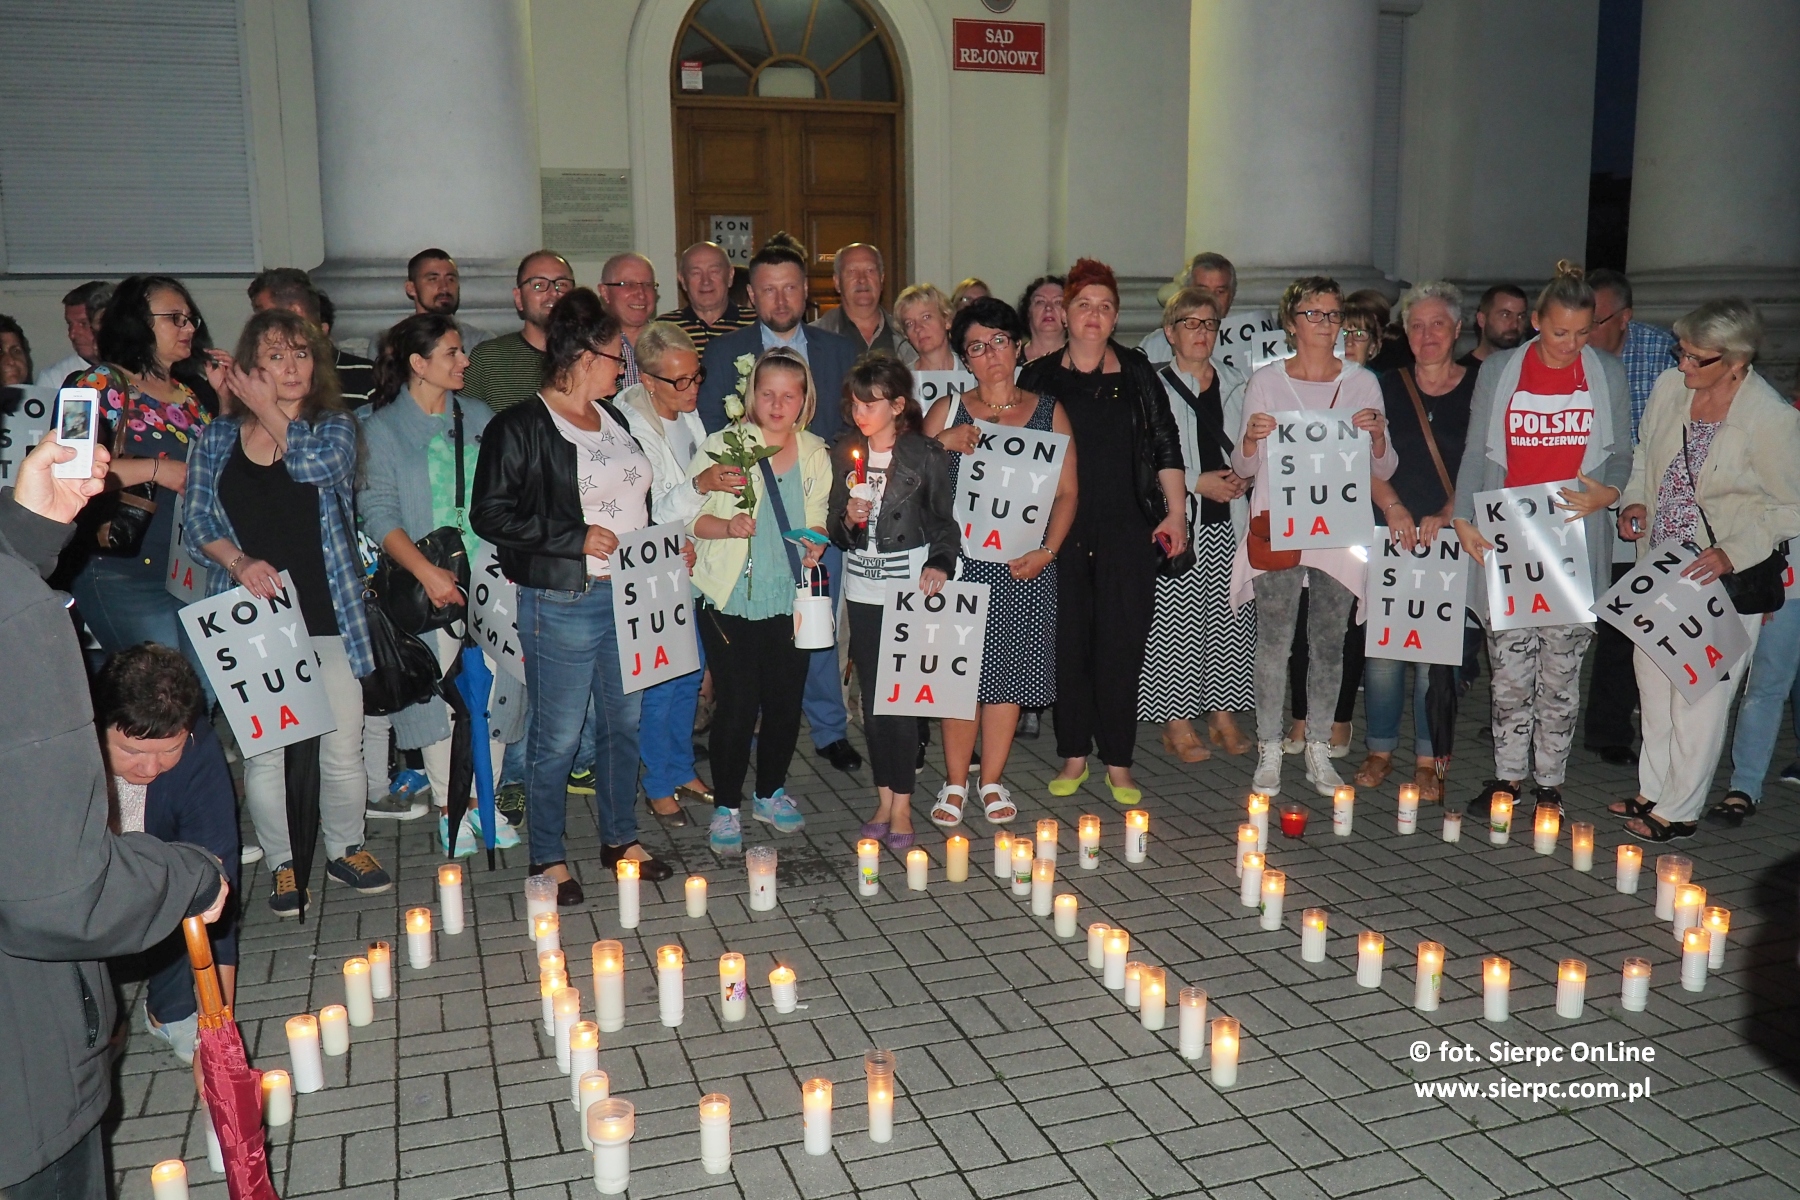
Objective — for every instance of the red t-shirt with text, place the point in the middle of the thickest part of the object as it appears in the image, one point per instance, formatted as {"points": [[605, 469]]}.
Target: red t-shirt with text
{"points": [[1547, 422]]}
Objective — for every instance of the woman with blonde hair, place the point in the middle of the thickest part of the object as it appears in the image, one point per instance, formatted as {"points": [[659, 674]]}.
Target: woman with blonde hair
{"points": [[968, 291], [924, 313]]}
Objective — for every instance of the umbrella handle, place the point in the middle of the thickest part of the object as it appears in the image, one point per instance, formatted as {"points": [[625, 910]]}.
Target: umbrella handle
{"points": [[211, 998]]}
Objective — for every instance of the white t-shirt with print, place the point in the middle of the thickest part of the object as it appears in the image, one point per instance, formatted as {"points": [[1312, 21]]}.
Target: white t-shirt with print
{"points": [[614, 477], [866, 570]]}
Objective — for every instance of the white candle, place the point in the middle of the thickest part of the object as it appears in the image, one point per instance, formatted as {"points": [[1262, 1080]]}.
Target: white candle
{"points": [[1048, 830], [1571, 988], [1672, 870], [1634, 985], [1696, 948], [956, 859], [550, 983], [868, 867], [669, 990], [1630, 864], [565, 1008], [611, 1122], [1546, 827], [278, 1098], [1137, 835], [783, 989], [546, 931], [1717, 922], [1097, 944], [1343, 810], [1274, 895], [1003, 855], [358, 1000], [418, 938], [1043, 887], [1370, 946], [1581, 845], [1256, 809], [1118, 945], [1312, 935], [715, 1133], [609, 985], [450, 897], [695, 893], [1065, 915], [304, 1060], [381, 970], [1496, 988], [878, 1072], [734, 987], [334, 1030], [1690, 900], [1134, 976], [1191, 1023], [1250, 885], [1089, 831], [1224, 1051], [540, 897], [918, 869], [1428, 982], [1152, 997], [168, 1180], [552, 960], [584, 1056], [1247, 840], [1022, 858], [215, 1153], [1500, 809], [1406, 816], [592, 1087], [1453, 827], [815, 1102], [627, 872], [759, 861]]}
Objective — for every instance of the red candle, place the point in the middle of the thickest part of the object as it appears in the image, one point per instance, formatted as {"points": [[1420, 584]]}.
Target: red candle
{"points": [[1293, 820], [861, 468]]}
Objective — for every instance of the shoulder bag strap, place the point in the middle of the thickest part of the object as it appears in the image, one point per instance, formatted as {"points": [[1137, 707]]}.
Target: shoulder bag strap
{"points": [[456, 424], [774, 490], [1205, 419], [1687, 458], [1437, 457]]}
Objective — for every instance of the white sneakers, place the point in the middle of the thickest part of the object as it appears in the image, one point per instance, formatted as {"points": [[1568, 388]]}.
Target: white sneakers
{"points": [[1268, 767], [1319, 771]]}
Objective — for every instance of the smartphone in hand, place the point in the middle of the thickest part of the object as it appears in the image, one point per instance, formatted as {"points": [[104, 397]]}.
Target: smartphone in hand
{"points": [[77, 410]]}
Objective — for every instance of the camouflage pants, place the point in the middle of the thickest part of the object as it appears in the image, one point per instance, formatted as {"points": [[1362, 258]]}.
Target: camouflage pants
{"points": [[1537, 699]]}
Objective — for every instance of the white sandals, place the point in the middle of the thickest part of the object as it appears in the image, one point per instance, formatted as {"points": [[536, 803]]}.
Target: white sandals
{"points": [[997, 804], [948, 812]]}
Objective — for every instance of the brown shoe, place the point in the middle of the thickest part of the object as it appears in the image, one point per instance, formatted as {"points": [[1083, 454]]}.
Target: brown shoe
{"points": [[1228, 737], [1185, 744], [1431, 788], [1374, 769]]}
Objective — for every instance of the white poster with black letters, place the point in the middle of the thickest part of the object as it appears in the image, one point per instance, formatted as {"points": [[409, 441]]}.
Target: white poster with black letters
{"points": [[1537, 573], [1689, 630], [262, 666], [653, 607], [22, 425], [1318, 482], [1004, 490], [1251, 338], [930, 664], [186, 580], [931, 386], [1415, 601], [494, 613]]}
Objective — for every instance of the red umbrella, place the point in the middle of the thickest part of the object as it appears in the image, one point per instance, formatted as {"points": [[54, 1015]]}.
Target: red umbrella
{"points": [[232, 1091]]}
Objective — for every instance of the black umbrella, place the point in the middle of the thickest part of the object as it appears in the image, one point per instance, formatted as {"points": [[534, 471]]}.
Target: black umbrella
{"points": [[1441, 698], [465, 689], [302, 770]]}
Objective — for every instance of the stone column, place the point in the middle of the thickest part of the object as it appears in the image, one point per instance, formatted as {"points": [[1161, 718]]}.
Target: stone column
{"points": [[427, 137]]}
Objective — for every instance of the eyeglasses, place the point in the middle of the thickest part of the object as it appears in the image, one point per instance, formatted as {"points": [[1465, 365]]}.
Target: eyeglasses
{"points": [[631, 286], [1196, 324], [537, 285], [997, 343], [1611, 316], [680, 383], [1682, 356], [179, 320], [1356, 335], [13, 350], [618, 358], [1319, 316]]}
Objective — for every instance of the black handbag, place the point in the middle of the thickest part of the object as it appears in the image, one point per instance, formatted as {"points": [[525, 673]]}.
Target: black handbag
{"points": [[1754, 589], [406, 669], [401, 594], [122, 517]]}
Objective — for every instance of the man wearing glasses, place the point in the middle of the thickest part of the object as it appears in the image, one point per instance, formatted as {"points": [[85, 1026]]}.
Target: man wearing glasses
{"points": [[705, 274], [510, 368], [628, 294]]}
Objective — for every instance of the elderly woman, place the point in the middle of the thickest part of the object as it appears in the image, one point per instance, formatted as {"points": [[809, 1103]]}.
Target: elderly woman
{"points": [[1428, 422], [1717, 471], [1311, 310], [1558, 377], [923, 313], [1200, 657], [1046, 325]]}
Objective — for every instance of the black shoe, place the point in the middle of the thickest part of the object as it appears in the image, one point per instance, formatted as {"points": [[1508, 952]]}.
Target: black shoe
{"points": [[1478, 807], [1732, 809], [568, 891], [509, 802], [1548, 797], [651, 869], [360, 870], [841, 754], [1618, 756], [1028, 725]]}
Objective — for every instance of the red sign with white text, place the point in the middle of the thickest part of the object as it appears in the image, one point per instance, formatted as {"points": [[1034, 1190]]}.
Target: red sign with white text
{"points": [[1016, 47]]}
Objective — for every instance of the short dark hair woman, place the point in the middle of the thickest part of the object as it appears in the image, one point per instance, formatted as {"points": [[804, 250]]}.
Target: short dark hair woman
{"points": [[557, 483], [1046, 325]]}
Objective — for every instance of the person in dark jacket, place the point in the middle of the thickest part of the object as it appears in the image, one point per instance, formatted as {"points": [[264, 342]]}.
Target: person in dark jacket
{"points": [[1133, 515], [72, 892], [892, 513]]}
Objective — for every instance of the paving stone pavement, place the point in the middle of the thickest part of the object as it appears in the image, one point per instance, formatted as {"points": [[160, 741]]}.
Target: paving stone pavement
{"points": [[1019, 1073]]}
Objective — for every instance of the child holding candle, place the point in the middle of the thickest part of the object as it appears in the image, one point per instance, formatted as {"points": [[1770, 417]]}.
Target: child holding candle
{"points": [[891, 512]]}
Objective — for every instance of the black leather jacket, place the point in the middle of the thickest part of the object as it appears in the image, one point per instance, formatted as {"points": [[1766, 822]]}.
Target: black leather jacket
{"points": [[1155, 438], [527, 498], [917, 505]]}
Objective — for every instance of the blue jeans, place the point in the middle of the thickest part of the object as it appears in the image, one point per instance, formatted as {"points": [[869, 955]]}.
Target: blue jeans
{"points": [[572, 653], [1384, 695], [512, 763], [125, 607], [823, 702], [666, 735], [1771, 681]]}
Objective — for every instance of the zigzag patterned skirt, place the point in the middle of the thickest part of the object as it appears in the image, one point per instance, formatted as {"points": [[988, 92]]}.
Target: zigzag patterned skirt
{"points": [[1201, 656]]}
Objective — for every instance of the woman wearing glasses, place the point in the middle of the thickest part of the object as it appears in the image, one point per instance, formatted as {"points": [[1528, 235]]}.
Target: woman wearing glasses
{"points": [[1311, 311]]}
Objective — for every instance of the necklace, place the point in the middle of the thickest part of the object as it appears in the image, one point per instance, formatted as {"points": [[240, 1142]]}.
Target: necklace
{"points": [[1000, 408]]}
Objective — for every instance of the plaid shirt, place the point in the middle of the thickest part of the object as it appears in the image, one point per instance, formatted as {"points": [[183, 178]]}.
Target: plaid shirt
{"points": [[322, 454], [1646, 355]]}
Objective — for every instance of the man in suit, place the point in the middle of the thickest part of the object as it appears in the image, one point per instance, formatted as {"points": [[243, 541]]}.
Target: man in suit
{"points": [[778, 293]]}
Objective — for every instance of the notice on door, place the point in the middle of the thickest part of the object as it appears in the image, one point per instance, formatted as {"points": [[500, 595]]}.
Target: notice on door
{"points": [[1011, 47], [587, 214], [736, 236]]}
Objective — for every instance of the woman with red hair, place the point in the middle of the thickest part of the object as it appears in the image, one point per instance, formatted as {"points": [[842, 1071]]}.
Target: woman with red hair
{"points": [[1132, 518]]}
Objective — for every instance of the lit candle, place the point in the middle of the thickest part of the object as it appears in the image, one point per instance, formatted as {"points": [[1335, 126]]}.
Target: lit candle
{"points": [[611, 1122], [278, 1098], [546, 930], [1134, 982], [550, 983], [540, 897], [304, 1060], [1500, 818], [1634, 985], [450, 897], [592, 1087], [552, 960], [629, 909], [1672, 870], [1047, 832], [1257, 809], [1496, 988], [734, 987], [1312, 935], [168, 1180], [1118, 945], [1343, 809], [1002, 855], [1043, 887], [1428, 983], [1274, 895], [1696, 948], [1190, 1027], [1581, 845], [1293, 819], [783, 989], [1066, 905], [1224, 1051], [1022, 858], [1717, 922], [584, 1056], [609, 985], [358, 1001], [1546, 827], [565, 1008], [1406, 816], [418, 938], [956, 859], [669, 992], [1089, 831], [1571, 988], [715, 1133], [1630, 865], [1453, 827], [878, 1071], [861, 467], [695, 891], [1137, 835], [1097, 944], [868, 867], [815, 1102], [1690, 900], [918, 869], [334, 1030], [1152, 997], [760, 862], [1250, 886], [381, 970], [1246, 844], [1369, 948]]}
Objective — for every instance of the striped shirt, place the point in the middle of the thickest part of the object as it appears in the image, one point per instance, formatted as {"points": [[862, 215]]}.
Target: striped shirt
{"points": [[702, 333], [503, 371]]}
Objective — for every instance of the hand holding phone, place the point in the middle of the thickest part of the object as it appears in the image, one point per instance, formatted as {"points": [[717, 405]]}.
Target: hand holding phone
{"points": [[76, 412]]}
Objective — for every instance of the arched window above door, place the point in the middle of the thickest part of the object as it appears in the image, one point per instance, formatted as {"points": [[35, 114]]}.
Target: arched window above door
{"points": [[786, 49]]}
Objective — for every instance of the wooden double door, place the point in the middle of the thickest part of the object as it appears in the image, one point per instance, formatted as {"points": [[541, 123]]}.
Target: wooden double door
{"points": [[828, 176]]}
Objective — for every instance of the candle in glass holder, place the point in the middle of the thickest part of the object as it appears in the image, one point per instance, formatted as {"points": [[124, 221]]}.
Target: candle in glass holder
{"points": [[734, 987], [609, 985], [1634, 985], [868, 867], [1096, 935], [549, 983], [540, 897], [1581, 845], [1118, 945], [1003, 854], [1546, 827], [1134, 977], [1690, 901], [669, 990], [552, 960], [1406, 816], [611, 1122], [878, 1071], [1293, 819], [168, 1180], [304, 1059], [815, 1104], [1500, 809], [418, 938], [1312, 935], [1428, 982], [278, 1098], [783, 989], [715, 1133], [1089, 830], [1152, 997], [1571, 988], [1343, 809], [1047, 832], [1696, 948], [918, 869], [956, 859], [584, 1056], [1256, 810], [1190, 1023], [1246, 844], [1137, 835], [1224, 1051], [1274, 895], [1066, 905], [1630, 864], [1250, 885], [334, 1030], [695, 892], [1496, 988], [1452, 826], [1369, 948], [381, 970], [565, 1009], [592, 1087], [359, 1002], [1717, 922], [546, 931], [760, 862], [627, 874], [1043, 887], [1022, 858], [450, 896], [1672, 870]]}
